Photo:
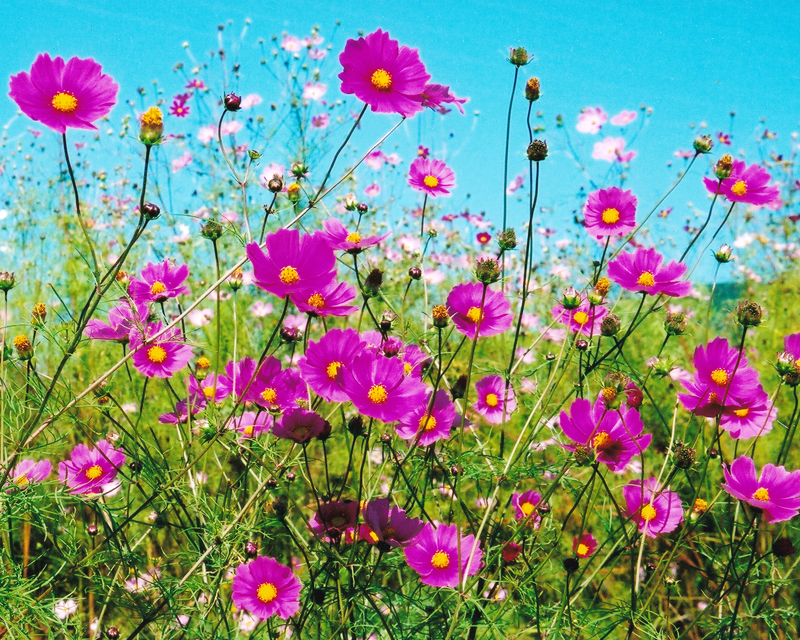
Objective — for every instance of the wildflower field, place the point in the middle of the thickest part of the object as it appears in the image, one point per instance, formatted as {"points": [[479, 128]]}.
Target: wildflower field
{"points": [[260, 378]]}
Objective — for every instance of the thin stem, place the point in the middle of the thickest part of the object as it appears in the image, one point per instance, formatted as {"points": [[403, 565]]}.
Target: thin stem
{"points": [[95, 264]]}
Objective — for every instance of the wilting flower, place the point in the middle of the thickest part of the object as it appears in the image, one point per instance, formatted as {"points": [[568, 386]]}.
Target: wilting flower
{"points": [[425, 426], [525, 504], [643, 272], [391, 526], [474, 313], [88, 470], [612, 150], [434, 555], [387, 77], [122, 320], [745, 184], [265, 588], [433, 177], [159, 282], [162, 357], [591, 119], [339, 237], [251, 424], [299, 425], [60, 95], [436, 96], [610, 212], [654, 509], [776, 491], [586, 318], [324, 361], [623, 118], [27, 471], [496, 401], [584, 546]]}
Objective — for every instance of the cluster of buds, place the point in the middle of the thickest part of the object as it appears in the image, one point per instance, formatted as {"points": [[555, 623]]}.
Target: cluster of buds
{"points": [[749, 314]]}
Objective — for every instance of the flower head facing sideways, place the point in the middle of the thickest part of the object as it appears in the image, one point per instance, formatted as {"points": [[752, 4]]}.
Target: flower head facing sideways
{"points": [[775, 491]]}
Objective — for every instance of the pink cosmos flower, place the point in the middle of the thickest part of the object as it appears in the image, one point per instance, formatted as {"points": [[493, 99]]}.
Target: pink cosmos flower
{"points": [[277, 391], [179, 108], [464, 305], [642, 272], [375, 160], [591, 119], [88, 470], [291, 44], [434, 555], [251, 424], [433, 177], [391, 526], [320, 121], [525, 504], [750, 421], [585, 319], [351, 241], [206, 134], [299, 425], [615, 436], [60, 95], [494, 402], [745, 184], [372, 190], [654, 509], [266, 588], [324, 361], [251, 100], [292, 263], [389, 78], [612, 150], [610, 212], [160, 358], [776, 491], [121, 320], [424, 426], [724, 138], [314, 90], [516, 184], [159, 282], [196, 83], [623, 118], [27, 471], [435, 96], [584, 546], [331, 300], [182, 162], [483, 238], [230, 128]]}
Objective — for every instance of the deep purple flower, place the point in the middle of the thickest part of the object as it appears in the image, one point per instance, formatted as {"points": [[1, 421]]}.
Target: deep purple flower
{"points": [[464, 307], [60, 95], [745, 184], [610, 212], [776, 491], [292, 263], [425, 427], [88, 470], [384, 75], [122, 319], [391, 526], [615, 436], [264, 588], [642, 272], [433, 177], [585, 319], [333, 299], [434, 555], [27, 471], [495, 402], [299, 425], [654, 509], [525, 504], [159, 283], [162, 357], [334, 518], [325, 360], [436, 96], [353, 242]]}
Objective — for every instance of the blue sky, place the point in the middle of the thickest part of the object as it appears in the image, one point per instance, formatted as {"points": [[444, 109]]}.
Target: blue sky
{"points": [[691, 62]]}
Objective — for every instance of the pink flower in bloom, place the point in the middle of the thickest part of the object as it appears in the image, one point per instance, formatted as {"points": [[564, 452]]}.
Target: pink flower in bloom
{"points": [[317, 54], [121, 320], [265, 588], [230, 127], [60, 95], [277, 390], [88, 470], [196, 83], [159, 358], [724, 138], [351, 241], [584, 546], [372, 190], [614, 435], [610, 212], [745, 184], [436, 96], [495, 403], [516, 184], [331, 300], [238, 375], [425, 427], [483, 237], [623, 118], [375, 160], [179, 107], [776, 491], [433, 177], [251, 424], [323, 363], [206, 134], [612, 150], [387, 77], [291, 44], [585, 319], [251, 100], [642, 272], [321, 121], [391, 526], [474, 313], [299, 425], [525, 504], [28, 471], [751, 421], [434, 555], [159, 282], [292, 263], [314, 90], [654, 509], [182, 162], [378, 388], [591, 119]]}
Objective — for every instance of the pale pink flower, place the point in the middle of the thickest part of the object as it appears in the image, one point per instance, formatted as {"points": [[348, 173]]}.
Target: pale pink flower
{"points": [[251, 100], [393, 159], [372, 190], [317, 54], [230, 127], [207, 134], [261, 309], [321, 121], [314, 90], [375, 159], [200, 317], [180, 163], [591, 119], [623, 118], [515, 184], [612, 150], [291, 44]]}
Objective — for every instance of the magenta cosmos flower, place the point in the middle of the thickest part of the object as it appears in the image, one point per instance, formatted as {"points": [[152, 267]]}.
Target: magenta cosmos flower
{"points": [[585, 319], [300, 425], [614, 436], [265, 588], [292, 263], [387, 77], [332, 299], [464, 307], [525, 504], [584, 546], [378, 388], [776, 491], [251, 424], [60, 95], [610, 212], [425, 425], [89, 469], [159, 283], [495, 403], [353, 242], [391, 526], [436, 96], [162, 357], [750, 421], [655, 510], [434, 556], [718, 383], [642, 272], [28, 471], [745, 184], [121, 320], [325, 360], [433, 177]]}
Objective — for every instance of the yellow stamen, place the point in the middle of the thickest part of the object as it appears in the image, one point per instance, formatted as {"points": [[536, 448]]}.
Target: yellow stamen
{"points": [[157, 288], [491, 400], [353, 237], [440, 560], [152, 117], [288, 275], [209, 392], [740, 188], [64, 102], [381, 80], [248, 431], [610, 216], [474, 315], [94, 472], [374, 536], [720, 377], [266, 592], [439, 312], [646, 279], [609, 394], [603, 286], [648, 512], [427, 423], [761, 494], [742, 413], [581, 317], [316, 301], [700, 506], [431, 182], [269, 395], [527, 508], [156, 354], [22, 480], [601, 441], [377, 394], [332, 369], [582, 549]]}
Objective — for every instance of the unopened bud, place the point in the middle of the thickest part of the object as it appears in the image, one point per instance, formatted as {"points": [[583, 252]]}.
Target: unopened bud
{"points": [[459, 388], [723, 254], [250, 549], [362, 208], [783, 547], [387, 319], [290, 335], [519, 57], [24, 347], [372, 283], [275, 184], [724, 167], [39, 315], [441, 316], [254, 155], [749, 314], [151, 126], [151, 211], [415, 273], [584, 456], [571, 299], [487, 270], [785, 363], [112, 633], [356, 425], [676, 323], [236, 279], [211, 230], [537, 151], [232, 102], [507, 240], [123, 279], [532, 90], [581, 344], [7, 280], [684, 457], [610, 325], [299, 170]]}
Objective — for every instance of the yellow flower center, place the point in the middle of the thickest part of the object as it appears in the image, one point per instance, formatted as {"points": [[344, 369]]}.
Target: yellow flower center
{"points": [[491, 400], [431, 182], [94, 472], [427, 423], [353, 237], [289, 275], [209, 392], [761, 494], [440, 560], [474, 315], [248, 431], [610, 216], [740, 188], [742, 413], [156, 354], [601, 441], [157, 287], [720, 377], [266, 592], [700, 506], [603, 286], [407, 368], [152, 117], [203, 363], [64, 102], [646, 279], [381, 80], [22, 480], [332, 369], [648, 512], [609, 393], [582, 549], [316, 301], [377, 394], [581, 317], [269, 395], [527, 508], [439, 312]]}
